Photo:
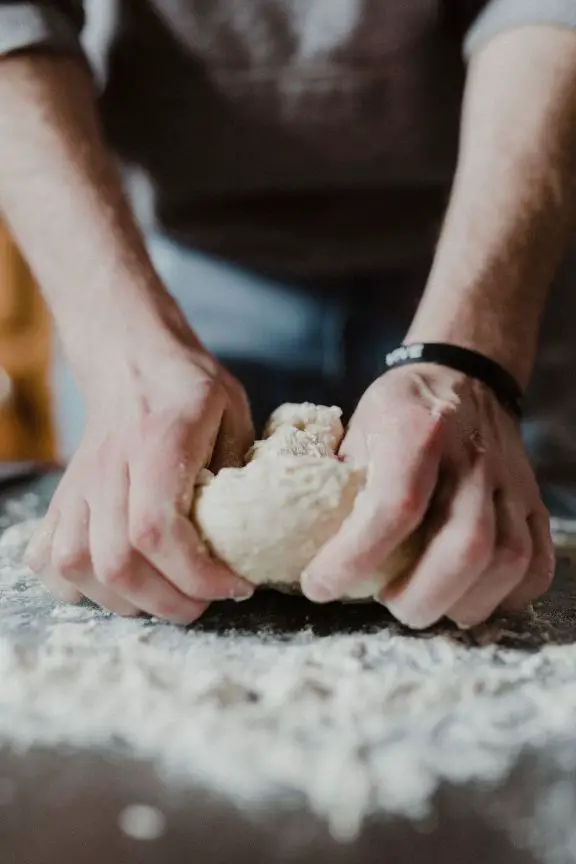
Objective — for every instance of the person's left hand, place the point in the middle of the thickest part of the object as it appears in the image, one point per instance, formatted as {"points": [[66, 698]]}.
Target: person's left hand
{"points": [[439, 446]]}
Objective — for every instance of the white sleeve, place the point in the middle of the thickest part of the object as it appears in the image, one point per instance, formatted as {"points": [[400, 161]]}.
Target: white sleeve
{"points": [[55, 25], [501, 15]]}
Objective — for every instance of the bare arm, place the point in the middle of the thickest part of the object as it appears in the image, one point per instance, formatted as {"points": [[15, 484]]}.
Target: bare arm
{"points": [[512, 204], [61, 196], [438, 444], [118, 528]]}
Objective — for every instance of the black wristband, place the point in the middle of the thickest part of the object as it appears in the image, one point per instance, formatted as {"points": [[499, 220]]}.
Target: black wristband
{"points": [[471, 363]]}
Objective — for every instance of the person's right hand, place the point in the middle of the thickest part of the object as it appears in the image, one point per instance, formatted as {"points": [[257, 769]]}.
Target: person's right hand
{"points": [[118, 530]]}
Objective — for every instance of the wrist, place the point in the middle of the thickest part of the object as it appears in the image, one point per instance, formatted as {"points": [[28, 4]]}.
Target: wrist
{"points": [[133, 334], [504, 331], [464, 361]]}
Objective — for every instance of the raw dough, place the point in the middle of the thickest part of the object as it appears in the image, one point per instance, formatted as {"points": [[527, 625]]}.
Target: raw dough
{"points": [[268, 519]]}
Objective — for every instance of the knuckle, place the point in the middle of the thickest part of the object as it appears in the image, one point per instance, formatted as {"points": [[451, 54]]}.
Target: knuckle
{"points": [[476, 544], [209, 387], [515, 553], [408, 505], [118, 570], [397, 511], [104, 451], [69, 562], [234, 388], [147, 532]]}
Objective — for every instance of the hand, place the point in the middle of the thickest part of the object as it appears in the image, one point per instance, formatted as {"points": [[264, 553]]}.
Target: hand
{"points": [[118, 530], [439, 448]]}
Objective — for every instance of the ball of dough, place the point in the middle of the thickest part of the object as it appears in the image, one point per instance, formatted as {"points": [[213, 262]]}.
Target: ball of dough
{"points": [[268, 519]]}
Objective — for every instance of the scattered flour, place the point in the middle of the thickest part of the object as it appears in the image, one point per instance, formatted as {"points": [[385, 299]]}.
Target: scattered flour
{"points": [[354, 724], [142, 822]]}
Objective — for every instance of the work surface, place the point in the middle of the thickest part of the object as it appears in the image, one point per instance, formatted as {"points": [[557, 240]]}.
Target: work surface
{"points": [[59, 806]]}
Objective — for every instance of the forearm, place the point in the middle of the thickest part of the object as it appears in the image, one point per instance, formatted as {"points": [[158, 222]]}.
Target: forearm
{"points": [[513, 199], [61, 196]]}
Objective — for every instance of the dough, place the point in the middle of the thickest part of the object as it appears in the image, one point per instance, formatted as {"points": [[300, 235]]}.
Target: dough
{"points": [[268, 519]]}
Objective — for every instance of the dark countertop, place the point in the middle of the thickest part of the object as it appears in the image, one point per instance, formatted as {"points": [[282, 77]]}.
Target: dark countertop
{"points": [[63, 807]]}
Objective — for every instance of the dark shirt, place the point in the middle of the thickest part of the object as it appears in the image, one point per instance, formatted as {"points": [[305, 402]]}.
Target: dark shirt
{"points": [[297, 136]]}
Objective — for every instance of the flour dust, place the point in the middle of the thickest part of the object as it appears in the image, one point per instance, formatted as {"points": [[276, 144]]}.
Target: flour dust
{"points": [[349, 724]]}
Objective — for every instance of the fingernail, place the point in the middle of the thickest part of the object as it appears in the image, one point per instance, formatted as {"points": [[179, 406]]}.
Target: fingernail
{"points": [[68, 595], [315, 590], [462, 626], [407, 617], [241, 591], [515, 607]]}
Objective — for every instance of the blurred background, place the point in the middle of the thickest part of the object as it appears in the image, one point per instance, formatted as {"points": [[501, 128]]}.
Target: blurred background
{"points": [[25, 418]]}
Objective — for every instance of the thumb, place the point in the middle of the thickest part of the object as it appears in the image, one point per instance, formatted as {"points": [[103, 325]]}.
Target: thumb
{"points": [[235, 437]]}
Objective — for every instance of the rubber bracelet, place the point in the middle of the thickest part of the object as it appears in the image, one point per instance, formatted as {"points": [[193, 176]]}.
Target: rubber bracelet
{"points": [[471, 363]]}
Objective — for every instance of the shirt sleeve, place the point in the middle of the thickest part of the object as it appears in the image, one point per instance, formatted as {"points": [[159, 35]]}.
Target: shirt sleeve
{"points": [[501, 15], [52, 24]]}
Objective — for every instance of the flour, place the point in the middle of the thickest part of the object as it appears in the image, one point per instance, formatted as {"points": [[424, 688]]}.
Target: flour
{"points": [[142, 822], [351, 724]]}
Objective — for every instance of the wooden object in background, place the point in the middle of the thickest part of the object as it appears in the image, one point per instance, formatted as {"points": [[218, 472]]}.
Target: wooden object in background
{"points": [[25, 419]]}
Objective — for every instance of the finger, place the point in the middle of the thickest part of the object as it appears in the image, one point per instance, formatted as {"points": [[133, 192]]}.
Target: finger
{"points": [[402, 476], [160, 529], [454, 558], [235, 438], [505, 572], [62, 591], [39, 550], [71, 563], [541, 569], [120, 571], [38, 558]]}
